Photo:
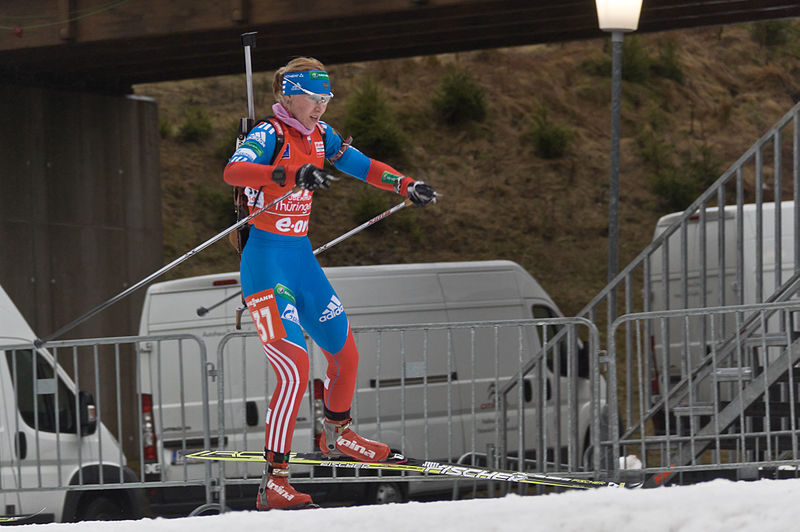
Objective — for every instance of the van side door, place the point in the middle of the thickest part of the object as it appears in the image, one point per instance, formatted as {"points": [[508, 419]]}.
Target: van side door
{"points": [[45, 427], [9, 502]]}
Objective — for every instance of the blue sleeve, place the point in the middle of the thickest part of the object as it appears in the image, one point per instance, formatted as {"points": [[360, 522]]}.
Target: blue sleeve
{"points": [[352, 162], [258, 147]]}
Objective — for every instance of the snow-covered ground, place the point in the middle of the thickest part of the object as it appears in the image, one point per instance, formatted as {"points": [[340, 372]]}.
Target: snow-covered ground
{"points": [[720, 505]]}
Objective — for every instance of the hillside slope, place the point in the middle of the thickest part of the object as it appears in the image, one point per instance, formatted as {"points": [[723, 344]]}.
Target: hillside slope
{"points": [[500, 200]]}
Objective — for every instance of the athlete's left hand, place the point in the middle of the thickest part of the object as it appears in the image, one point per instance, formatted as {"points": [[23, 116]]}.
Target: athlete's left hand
{"points": [[421, 194]]}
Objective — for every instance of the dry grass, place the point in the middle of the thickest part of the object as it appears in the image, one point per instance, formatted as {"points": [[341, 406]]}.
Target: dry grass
{"points": [[500, 200]]}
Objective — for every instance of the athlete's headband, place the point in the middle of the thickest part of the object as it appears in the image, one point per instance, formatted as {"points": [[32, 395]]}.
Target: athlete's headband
{"points": [[308, 82]]}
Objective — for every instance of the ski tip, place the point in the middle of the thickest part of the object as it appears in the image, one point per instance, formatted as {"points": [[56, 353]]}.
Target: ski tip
{"points": [[19, 519]]}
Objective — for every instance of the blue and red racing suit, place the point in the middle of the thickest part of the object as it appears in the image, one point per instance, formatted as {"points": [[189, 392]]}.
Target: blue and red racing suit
{"points": [[282, 281]]}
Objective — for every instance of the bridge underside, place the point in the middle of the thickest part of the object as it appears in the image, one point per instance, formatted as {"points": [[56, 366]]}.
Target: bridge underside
{"points": [[112, 45]]}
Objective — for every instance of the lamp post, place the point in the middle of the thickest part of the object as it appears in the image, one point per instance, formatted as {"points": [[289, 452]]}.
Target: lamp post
{"points": [[617, 17]]}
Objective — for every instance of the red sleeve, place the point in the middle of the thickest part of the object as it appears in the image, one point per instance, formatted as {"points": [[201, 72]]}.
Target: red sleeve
{"points": [[383, 176], [245, 174]]}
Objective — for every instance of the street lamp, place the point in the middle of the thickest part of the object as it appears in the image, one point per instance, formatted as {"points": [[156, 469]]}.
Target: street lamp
{"points": [[617, 17]]}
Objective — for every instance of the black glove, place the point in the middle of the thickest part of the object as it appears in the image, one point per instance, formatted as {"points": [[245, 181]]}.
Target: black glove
{"points": [[421, 194], [310, 177]]}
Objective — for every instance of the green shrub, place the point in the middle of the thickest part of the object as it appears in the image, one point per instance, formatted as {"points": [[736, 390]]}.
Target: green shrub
{"points": [[654, 153], [674, 189], [196, 125], [597, 66], [216, 203], [459, 99], [370, 122], [771, 32], [636, 62], [550, 141], [678, 185], [369, 204], [227, 144], [667, 65], [164, 128]]}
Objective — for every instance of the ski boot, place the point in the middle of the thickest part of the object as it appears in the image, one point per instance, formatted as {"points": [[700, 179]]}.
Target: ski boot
{"points": [[338, 439], [275, 492]]}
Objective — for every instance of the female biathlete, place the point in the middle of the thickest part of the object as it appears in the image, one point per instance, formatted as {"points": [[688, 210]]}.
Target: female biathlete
{"points": [[284, 286]]}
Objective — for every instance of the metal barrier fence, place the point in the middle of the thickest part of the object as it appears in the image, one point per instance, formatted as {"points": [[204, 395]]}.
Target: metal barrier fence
{"points": [[65, 444], [527, 395], [737, 243], [523, 394], [732, 412], [474, 392]]}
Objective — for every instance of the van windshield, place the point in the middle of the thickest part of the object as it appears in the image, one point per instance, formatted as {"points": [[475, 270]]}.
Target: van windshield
{"points": [[51, 409]]}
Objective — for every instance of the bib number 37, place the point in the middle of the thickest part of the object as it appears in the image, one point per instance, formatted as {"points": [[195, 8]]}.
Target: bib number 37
{"points": [[264, 309]]}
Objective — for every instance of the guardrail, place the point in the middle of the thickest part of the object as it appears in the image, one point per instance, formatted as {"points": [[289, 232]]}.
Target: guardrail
{"points": [[528, 395], [700, 260], [79, 450], [432, 391], [732, 412]]}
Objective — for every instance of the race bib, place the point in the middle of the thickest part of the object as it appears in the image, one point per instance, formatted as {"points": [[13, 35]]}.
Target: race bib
{"points": [[264, 310]]}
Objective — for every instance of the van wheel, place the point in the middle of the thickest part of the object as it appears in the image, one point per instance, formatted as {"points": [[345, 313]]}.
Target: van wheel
{"points": [[385, 493], [102, 508]]}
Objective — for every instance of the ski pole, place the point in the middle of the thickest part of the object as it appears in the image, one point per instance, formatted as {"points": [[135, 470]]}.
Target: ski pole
{"points": [[201, 311], [39, 342], [363, 226]]}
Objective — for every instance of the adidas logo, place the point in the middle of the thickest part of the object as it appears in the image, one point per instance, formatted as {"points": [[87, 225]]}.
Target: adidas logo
{"points": [[333, 309], [353, 446], [280, 490]]}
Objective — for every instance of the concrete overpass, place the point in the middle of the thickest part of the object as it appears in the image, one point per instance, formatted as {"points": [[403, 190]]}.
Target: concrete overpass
{"points": [[109, 45]]}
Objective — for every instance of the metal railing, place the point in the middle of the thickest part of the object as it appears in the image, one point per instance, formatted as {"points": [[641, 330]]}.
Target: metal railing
{"points": [[733, 411], [736, 244], [433, 391], [479, 392], [519, 394], [77, 436]]}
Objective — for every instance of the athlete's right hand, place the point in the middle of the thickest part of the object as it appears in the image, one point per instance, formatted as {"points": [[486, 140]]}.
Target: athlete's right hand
{"points": [[421, 194], [310, 177]]}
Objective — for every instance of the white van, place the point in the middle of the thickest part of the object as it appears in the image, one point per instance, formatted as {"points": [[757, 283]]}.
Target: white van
{"points": [[428, 392], [53, 442], [722, 288]]}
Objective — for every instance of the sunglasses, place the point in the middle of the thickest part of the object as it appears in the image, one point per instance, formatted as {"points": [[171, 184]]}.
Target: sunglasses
{"points": [[320, 99]]}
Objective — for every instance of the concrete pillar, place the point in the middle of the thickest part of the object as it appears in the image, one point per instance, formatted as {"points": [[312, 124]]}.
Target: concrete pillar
{"points": [[80, 218]]}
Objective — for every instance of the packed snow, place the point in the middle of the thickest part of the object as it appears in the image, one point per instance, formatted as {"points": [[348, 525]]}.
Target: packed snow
{"points": [[720, 505]]}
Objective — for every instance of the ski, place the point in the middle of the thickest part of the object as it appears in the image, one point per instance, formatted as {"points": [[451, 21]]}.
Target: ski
{"points": [[18, 518], [399, 462]]}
